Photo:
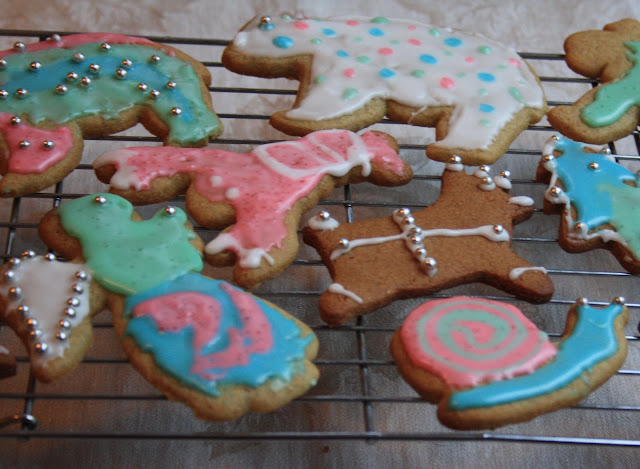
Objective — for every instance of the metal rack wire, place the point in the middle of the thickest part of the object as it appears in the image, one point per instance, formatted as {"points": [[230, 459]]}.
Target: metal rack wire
{"points": [[359, 382]]}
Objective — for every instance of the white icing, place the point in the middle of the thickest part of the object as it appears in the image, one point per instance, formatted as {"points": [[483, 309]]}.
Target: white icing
{"points": [[216, 180], [232, 193], [488, 184], [456, 167], [4, 351], [502, 182], [521, 200], [340, 290], [125, 175], [518, 271], [318, 224], [46, 286], [481, 173], [248, 258], [486, 82]]}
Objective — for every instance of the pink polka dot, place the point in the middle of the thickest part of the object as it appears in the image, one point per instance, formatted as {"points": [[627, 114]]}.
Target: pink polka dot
{"points": [[415, 42], [447, 83], [349, 73], [301, 25], [469, 60], [353, 23], [515, 62], [412, 27], [385, 51]]}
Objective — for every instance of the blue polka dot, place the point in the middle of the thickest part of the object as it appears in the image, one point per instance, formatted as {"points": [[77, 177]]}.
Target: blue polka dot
{"points": [[283, 42], [376, 32], [453, 42], [342, 53], [386, 73], [328, 32], [428, 59], [486, 76], [266, 26], [486, 108]]}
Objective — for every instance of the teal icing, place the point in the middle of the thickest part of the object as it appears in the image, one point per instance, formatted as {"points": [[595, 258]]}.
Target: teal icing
{"points": [[614, 99], [174, 352], [599, 196], [108, 95], [592, 340]]}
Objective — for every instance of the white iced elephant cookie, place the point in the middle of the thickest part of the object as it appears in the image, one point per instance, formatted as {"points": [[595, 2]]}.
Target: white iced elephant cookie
{"points": [[478, 94]]}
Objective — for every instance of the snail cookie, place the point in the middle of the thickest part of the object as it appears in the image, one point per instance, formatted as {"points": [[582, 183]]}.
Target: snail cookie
{"points": [[258, 196], [478, 94], [599, 200], [486, 365], [54, 93], [464, 237], [611, 110], [49, 304]]}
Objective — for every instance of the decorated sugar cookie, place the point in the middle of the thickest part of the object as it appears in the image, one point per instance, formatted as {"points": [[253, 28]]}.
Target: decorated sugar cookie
{"points": [[464, 237], [477, 93], [200, 341], [49, 304], [599, 200], [260, 195], [611, 110], [486, 365], [55, 92]]}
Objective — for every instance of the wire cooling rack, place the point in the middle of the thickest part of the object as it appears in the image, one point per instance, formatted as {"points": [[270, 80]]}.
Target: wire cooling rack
{"points": [[360, 395]]}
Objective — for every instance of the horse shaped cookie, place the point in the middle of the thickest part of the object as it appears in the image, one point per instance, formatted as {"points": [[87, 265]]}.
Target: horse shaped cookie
{"points": [[463, 237], [612, 110], [478, 94], [261, 194], [54, 93]]}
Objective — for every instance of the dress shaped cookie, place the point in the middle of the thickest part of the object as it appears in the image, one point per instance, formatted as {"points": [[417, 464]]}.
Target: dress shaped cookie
{"points": [[463, 237], [478, 94], [260, 195], [200, 341], [49, 305], [486, 365], [610, 111], [599, 200], [54, 93]]}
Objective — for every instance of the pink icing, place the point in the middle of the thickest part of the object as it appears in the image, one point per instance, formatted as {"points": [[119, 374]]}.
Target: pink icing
{"points": [[262, 185], [35, 158], [75, 40], [176, 311], [486, 362]]}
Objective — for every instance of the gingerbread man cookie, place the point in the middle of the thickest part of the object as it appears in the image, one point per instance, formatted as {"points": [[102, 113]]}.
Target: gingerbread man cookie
{"points": [[260, 195], [55, 92], [610, 111], [463, 237], [200, 341], [478, 94], [486, 365]]}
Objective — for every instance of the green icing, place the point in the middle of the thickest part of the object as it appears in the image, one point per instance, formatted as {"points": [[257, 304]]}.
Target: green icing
{"points": [[614, 99], [625, 213], [108, 95], [129, 256]]}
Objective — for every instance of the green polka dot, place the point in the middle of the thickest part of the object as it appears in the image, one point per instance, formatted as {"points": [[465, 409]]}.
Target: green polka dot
{"points": [[394, 42], [357, 39], [316, 41], [501, 67], [515, 94], [380, 20], [434, 32], [461, 75], [486, 50], [485, 122], [320, 79], [483, 91], [349, 93], [363, 59], [286, 17], [448, 52], [418, 73]]}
